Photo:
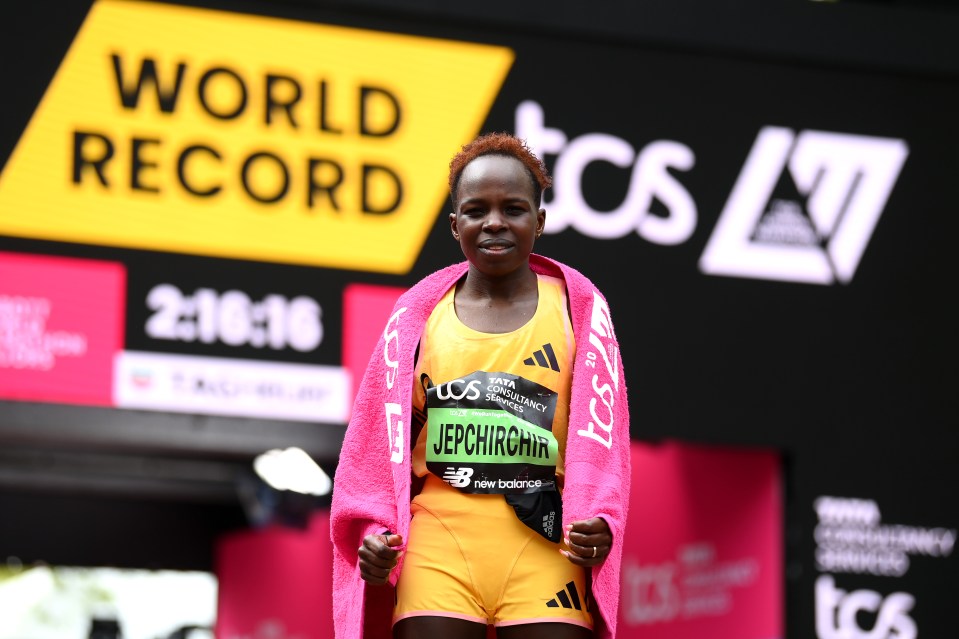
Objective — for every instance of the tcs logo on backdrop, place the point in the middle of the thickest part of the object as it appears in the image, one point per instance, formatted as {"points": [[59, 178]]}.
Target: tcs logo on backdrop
{"points": [[817, 235]]}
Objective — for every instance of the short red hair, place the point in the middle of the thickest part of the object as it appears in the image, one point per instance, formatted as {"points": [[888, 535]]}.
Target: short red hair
{"points": [[500, 144]]}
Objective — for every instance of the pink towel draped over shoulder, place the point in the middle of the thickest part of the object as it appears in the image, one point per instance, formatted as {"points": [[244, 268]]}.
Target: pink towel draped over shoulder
{"points": [[371, 492]]}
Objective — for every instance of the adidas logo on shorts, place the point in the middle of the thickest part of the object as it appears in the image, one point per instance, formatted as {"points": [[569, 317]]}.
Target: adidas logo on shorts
{"points": [[544, 357], [568, 597]]}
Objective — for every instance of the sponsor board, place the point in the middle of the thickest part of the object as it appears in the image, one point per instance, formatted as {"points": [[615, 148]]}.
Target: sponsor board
{"points": [[693, 585], [227, 386], [711, 566], [179, 129], [61, 324], [852, 540], [803, 208]]}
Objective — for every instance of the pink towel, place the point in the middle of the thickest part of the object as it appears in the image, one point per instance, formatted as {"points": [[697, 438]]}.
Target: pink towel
{"points": [[371, 489]]}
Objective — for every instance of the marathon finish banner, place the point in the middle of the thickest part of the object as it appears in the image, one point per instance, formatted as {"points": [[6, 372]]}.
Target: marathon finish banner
{"points": [[774, 239]]}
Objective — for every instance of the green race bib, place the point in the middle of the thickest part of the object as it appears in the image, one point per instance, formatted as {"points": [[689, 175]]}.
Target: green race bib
{"points": [[492, 433]]}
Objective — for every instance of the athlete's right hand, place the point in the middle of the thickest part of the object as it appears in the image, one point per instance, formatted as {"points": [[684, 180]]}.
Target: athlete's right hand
{"points": [[377, 557]]}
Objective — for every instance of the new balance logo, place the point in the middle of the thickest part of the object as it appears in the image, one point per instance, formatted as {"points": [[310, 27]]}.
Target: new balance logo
{"points": [[804, 206], [544, 357], [566, 598], [457, 477]]}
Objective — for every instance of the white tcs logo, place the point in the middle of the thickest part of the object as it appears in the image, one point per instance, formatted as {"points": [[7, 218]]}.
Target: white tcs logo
{"points": [[455, 390], [837, 612], [847, 180], [650, 178], [394, 425], [601, 404]]}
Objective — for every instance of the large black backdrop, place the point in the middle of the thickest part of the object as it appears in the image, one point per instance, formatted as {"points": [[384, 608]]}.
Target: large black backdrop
{"points": [[852, 383]]}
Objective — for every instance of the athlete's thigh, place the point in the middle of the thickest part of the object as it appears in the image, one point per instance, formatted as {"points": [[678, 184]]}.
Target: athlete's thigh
{"points": [[423, 627], [544, 588], [543, 631], [436, 580]]}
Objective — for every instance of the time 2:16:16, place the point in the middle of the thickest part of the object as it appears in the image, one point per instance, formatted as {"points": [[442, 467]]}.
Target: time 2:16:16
{"points": [[234, 319]]}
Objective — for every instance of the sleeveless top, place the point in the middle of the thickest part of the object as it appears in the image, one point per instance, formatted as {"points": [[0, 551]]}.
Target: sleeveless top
{"points": [[496, 399]]}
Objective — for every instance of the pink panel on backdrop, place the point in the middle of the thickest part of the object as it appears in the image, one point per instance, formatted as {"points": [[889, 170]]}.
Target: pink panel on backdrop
{"points": [[703, 554], [61, 326], [276, 583], [366, 308]]}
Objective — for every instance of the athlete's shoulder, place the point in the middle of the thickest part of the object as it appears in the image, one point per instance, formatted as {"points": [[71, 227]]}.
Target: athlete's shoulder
{"points": [[577, 284]]}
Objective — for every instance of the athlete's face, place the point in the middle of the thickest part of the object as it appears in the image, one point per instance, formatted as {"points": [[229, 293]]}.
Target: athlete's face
{"points": [[495, 218]]}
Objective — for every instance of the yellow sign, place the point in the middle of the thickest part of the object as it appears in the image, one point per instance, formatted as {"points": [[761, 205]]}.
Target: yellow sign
{"points": [[195, 131]]}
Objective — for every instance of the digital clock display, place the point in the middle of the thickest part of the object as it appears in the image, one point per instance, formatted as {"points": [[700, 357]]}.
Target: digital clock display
{"points": [[233, 318]]}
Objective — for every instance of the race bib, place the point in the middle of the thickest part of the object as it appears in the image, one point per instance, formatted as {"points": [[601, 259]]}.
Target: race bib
{"points": [[492, 433]]}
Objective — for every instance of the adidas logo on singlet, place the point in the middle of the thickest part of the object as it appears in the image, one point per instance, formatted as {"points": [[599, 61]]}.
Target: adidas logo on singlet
{"points": [[568, 597], [544, 357]]}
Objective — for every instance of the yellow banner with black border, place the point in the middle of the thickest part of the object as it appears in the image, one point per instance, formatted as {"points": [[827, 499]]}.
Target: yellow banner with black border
{"points": [[195, 131]]}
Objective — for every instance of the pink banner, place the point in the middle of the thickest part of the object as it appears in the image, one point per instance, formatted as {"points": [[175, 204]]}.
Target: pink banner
{"points": [[61, 326], [366, 308], [276, 583], [703, 554]]}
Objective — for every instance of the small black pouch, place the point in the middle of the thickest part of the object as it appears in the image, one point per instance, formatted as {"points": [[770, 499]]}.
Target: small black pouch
{"points": [[543, 512]]}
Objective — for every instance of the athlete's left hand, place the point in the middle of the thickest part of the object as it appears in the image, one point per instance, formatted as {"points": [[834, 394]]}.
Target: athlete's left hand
{"points": [[589, 541]]}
